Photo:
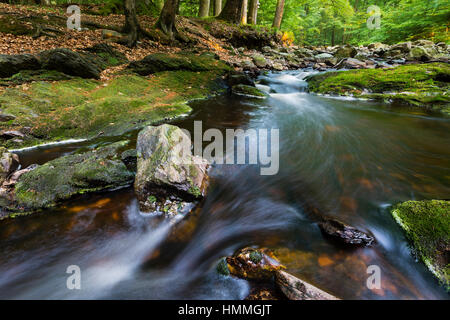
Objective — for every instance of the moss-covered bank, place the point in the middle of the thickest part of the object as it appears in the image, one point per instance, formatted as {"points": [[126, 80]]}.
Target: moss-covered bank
{"points": [[424, 85], [427, 225], [80, 108]]}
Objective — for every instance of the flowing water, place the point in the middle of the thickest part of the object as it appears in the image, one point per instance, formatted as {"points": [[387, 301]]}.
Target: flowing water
{"points": [[349, 158]]}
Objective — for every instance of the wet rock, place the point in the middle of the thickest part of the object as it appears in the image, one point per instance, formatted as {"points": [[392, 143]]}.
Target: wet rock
{"points": [[13, 178], [9, 162], [166, 168], [420, 54], [259, 61], [277, 66], [12, 64], [265, 292], [254, 264], [248, 91], [4, 117], [296, 289], [427, 226], [159, 62], [62, 178], [6, 135], [248, 65], [129, 157], [346, 51], [70, 62], [345, 233]]}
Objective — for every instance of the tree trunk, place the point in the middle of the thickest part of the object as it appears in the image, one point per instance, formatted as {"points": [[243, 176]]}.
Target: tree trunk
{"points": [[131, 27], [203, 10], [253, 11], [278, 14], [232, 11], [333, 34], [244, 12], [166, 21], [217, 7]]}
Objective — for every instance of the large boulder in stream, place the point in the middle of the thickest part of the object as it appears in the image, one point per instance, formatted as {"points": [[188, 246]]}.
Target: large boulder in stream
{"points": [[427, 226], [59, 179], [167, 172]]}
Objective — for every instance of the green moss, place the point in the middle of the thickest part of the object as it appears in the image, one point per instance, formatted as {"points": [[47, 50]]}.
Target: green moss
{"points": [[427, 225], [67, 176], [152, 199], [81, 108], [419, 84]]}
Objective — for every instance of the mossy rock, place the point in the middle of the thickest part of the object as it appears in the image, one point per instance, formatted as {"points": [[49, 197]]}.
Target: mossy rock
{"points": [[423, 85], [159, 62], [427, 226], [248, 91], [83, 108], [62, 178]]}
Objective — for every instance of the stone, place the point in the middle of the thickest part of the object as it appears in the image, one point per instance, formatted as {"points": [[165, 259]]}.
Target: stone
{"points": [[112, 35], [346, 51], [345, 233], [11, 134], [254, 264], [248, 91], [12, 64], [70, 62], [9, 162], [351, 63], [166, 168], [60, 179], [259, 61], [159, 62], [427, 226], [4, 117]]}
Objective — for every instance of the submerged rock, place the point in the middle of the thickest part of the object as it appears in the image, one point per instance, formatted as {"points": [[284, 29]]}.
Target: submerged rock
{"points": [[345, 233], [62, 178], [12, 64], [296, 289], [427, 226], [166, 168]]}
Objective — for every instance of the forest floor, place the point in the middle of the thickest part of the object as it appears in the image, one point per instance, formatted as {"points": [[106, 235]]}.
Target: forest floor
{"points": [[18, 25]]}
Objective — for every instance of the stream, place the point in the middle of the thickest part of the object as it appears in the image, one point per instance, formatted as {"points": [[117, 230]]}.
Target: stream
{"points": [[351, 158]]}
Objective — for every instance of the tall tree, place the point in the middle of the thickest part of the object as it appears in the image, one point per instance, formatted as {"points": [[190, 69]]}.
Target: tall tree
{"points": [[253, 11], [203, 10], [278, 14], [232, 11], [217, 7], [166, 21], [244, 7]]}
